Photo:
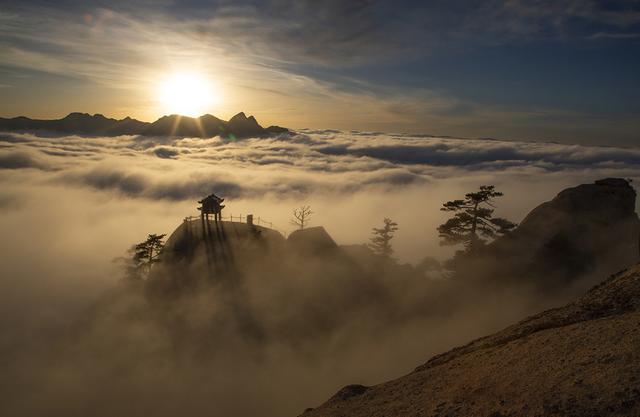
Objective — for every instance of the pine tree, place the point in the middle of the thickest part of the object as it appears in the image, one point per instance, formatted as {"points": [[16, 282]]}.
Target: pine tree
{"points": [[381, 239], [473, 220], [146, 254]]}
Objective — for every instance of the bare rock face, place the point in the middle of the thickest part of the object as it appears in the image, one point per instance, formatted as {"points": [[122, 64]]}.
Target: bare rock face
{"points": [[312, 239], [587, 231], [604, 203], [579, 360]]}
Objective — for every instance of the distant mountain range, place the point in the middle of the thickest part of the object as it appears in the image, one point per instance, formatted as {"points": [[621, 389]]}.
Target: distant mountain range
{"points": [[239, 126]]}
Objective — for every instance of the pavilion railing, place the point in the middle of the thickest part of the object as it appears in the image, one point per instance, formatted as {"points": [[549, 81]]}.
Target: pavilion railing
{"points": [[240, 218]]}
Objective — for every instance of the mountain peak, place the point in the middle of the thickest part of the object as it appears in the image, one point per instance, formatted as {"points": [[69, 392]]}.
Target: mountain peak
{"points": [[239, 116], [206, 117], [76, 115]]}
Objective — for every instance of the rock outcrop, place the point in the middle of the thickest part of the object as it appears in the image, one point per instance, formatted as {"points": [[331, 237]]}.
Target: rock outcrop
{"points": [[590, 230], [200, 253], [312, 239], [195, 240], [579, 360]]}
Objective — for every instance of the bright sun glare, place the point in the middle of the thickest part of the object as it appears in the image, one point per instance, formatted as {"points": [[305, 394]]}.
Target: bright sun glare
{"points": [[186, 94]]}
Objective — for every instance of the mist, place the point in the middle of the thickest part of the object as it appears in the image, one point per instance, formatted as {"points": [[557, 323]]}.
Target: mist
{"points": [[78, 339]]}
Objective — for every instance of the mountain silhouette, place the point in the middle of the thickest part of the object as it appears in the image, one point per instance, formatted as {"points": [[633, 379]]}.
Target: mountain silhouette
{"points": [[239, 126]]}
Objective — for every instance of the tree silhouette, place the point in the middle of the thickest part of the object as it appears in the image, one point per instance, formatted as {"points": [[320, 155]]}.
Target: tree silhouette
{"points": [[473, 220], [301, 216], [146, 254], [381, 239]]}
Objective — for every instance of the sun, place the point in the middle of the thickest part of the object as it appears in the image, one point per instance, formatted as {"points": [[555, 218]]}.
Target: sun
{"points": [[187, 94]]}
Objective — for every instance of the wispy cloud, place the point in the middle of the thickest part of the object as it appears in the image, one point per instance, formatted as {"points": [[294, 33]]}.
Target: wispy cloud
{"points": [[616, 35]]}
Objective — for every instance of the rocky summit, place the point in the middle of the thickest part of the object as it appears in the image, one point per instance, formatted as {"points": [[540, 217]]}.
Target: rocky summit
{"points": [[580, 360], [588, 231]]}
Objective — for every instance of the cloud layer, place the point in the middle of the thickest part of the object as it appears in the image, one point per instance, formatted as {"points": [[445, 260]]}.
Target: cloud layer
{"points": [[342, 173], [308, 162], [70, 205]]}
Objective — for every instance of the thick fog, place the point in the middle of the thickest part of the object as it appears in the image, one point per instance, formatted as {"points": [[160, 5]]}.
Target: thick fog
{"points": [[77, 340]]}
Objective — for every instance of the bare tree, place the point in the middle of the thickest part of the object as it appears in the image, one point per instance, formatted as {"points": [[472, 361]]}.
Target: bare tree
{"points": [[301, 216], [381, 239]]}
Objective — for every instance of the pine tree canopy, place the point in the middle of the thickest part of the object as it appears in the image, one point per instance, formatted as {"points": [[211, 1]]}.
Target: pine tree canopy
{"points": [[473, 219]]}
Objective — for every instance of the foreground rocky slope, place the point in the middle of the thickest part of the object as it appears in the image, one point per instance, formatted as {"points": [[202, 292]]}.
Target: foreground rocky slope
{"points": [[578, 360]]}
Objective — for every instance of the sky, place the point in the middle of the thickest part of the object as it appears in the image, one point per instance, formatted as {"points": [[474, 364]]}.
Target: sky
{"points": [[564, 70]]}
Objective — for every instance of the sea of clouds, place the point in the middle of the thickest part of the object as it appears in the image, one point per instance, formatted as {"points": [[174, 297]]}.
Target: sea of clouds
{"points": [[82, 201], [70, 205], [349, 178]]}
